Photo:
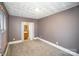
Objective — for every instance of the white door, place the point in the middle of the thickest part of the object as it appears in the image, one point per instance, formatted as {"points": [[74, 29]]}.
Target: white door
{"points": [[31, 31]]}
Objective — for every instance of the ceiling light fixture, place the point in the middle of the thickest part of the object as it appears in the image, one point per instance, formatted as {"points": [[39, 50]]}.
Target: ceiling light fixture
{"points": [[37, 9]]}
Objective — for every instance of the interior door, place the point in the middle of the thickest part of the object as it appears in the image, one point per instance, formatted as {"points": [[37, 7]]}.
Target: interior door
{"points": [[31, 31]]}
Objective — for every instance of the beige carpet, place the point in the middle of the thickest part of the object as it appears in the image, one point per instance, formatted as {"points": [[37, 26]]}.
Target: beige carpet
{"points": [[34, 48]]}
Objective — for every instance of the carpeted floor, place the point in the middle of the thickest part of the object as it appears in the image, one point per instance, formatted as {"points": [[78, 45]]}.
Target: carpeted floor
{"points": [[34, 48]]}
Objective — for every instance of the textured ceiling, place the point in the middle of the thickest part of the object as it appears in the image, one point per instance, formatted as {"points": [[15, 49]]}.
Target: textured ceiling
{"points": [[37, 10]]}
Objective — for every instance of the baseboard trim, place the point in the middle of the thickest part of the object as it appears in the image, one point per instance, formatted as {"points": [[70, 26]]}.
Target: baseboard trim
{"points": [[35, 38], [6, 50], [59, 47], [14, 42], [50, 43]]}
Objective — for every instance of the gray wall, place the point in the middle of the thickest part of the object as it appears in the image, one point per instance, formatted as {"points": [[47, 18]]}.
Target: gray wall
{"points": [[4, 36], [62, 27], [15, 26]]}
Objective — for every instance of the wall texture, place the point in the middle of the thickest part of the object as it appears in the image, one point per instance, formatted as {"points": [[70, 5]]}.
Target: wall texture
{"points": [[4, 36], [15, 26], [62, 27]]}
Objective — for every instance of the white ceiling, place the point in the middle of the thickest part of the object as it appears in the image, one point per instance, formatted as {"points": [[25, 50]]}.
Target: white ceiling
{"points": [[37, 10]]}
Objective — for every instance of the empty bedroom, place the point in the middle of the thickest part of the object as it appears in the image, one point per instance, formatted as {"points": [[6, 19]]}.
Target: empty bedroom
{"points": [[39, 28]]}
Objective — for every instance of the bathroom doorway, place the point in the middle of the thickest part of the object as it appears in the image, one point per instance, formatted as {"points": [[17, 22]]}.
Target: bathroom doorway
{"points": [[27, 31]]}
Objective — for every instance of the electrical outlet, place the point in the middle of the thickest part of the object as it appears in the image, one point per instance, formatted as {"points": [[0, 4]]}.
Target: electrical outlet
{"points": [[57, 43], [13, 38]]}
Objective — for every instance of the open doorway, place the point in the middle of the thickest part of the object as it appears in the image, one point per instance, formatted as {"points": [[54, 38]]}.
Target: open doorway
{"points": [[27, 31]]}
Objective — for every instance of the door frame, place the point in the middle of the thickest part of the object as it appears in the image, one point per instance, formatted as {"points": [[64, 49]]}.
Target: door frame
{"points": [[31, 30]]}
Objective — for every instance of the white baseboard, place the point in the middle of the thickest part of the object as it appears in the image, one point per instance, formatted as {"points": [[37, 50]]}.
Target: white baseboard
{"points": [[59, 47], [19, 41], [36, 38], [14, 42], [6, 50], [52, 44]]}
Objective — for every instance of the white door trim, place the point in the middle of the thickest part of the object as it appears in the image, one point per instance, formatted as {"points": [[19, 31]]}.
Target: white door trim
{"points": [[31, 30]]}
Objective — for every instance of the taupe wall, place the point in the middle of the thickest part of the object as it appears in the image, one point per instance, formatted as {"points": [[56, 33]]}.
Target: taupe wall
{"points": [[62, 27], [4, 36], [15, 26]]}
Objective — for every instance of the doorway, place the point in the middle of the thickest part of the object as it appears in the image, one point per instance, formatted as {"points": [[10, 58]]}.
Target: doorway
{"points": [[27, 31]]}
